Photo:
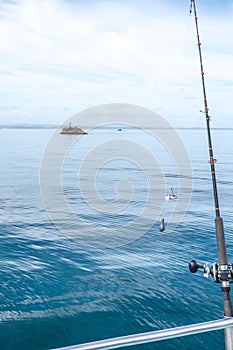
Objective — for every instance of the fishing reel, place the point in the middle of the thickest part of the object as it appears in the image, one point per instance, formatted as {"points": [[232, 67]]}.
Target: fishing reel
{"points": [[221, 273]]}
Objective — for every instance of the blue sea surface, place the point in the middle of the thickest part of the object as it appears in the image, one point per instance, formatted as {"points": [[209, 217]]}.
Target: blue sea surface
{"points": [[57, 291]]}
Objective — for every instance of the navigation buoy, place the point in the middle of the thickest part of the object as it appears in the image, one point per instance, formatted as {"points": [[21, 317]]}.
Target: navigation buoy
{"points": [[162, 226]]}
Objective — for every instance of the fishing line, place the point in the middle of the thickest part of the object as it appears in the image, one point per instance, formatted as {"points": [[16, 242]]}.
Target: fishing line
{"points": [[189, 99], [167, 212], [187, 42]]}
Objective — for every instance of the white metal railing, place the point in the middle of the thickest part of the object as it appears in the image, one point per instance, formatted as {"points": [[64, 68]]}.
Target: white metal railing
{"points": [[154, 336]]}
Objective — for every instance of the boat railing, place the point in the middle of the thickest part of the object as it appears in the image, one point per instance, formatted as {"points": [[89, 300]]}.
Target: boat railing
{"points": [[149, 337]]}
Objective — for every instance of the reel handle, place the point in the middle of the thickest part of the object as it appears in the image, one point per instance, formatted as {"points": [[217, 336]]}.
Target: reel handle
{"points": [[194, 266]]}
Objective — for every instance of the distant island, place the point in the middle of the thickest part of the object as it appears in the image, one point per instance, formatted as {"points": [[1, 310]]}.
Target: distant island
{"points": [[72, 131]]}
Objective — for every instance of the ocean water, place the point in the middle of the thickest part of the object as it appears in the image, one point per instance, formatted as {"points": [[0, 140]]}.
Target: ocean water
{"points": [[58, 290]]}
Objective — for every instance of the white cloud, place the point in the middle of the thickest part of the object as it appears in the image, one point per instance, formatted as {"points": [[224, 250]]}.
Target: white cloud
{"points": [[79, 54]]}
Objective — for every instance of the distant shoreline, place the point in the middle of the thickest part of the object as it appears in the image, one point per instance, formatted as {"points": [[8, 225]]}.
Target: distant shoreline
{"points": [[52, 126]]}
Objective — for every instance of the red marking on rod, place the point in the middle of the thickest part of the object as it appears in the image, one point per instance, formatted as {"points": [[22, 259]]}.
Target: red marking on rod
{"points": [[211, 160]]}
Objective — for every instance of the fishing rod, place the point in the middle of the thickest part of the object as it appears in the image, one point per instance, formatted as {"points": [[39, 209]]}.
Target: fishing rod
{"points": [[221, 271]]}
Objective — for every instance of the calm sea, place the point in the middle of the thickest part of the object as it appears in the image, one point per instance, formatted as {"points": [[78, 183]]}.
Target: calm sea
{"points": [[58, 291]]}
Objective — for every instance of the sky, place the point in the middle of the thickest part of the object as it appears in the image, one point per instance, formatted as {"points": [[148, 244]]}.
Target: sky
{"points": [[60, 57]]}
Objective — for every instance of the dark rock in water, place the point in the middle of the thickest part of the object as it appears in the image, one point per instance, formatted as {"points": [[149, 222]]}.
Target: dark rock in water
{"points": [[72, 131]]}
